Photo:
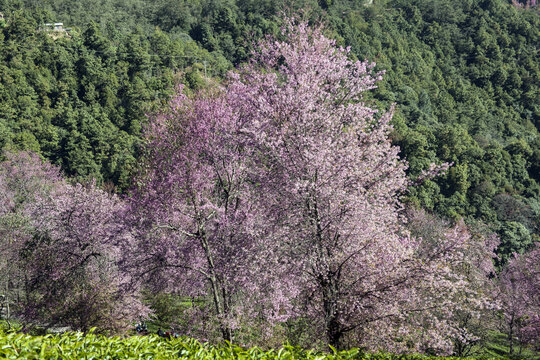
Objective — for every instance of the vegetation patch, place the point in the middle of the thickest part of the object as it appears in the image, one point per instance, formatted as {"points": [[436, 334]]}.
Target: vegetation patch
{"points": [[92, 346]]}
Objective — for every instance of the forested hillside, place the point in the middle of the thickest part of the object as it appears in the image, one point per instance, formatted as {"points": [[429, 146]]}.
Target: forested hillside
{"points": [[464, 76], [79, 98]]}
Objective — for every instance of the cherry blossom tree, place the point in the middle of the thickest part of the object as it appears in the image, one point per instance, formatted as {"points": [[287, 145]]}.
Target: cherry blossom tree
{"points": [[519, 289], [459, 263], [328, 180], [23, 179], [191, 214], [63, 245], [70, 263], [329, 177]]}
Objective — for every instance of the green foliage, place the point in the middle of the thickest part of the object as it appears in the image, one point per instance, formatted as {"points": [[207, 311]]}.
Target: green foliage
{"points": [[91, 346], [80, 98], [497, 345], [167, 310], [464, 75], [515, 238]]}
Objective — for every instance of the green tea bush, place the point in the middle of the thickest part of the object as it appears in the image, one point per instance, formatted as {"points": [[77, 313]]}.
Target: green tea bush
{"points": [[93, 346]]}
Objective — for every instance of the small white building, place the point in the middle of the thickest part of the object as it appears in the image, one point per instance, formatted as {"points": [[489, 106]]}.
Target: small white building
{"points": [[53, 27]]}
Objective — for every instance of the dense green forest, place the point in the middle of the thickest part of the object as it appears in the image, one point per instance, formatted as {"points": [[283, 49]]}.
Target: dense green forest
{"points": [[463, 74]]}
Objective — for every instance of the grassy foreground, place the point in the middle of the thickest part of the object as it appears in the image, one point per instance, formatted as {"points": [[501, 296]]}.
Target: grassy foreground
{"points": [[92, 346]]}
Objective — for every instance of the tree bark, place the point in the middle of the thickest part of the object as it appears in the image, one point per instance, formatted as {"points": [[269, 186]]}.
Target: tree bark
{"points": [[221, 308], [333, 327]]}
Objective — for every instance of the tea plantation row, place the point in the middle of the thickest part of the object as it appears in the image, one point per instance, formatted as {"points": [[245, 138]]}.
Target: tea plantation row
{"points": [[93, 346]]}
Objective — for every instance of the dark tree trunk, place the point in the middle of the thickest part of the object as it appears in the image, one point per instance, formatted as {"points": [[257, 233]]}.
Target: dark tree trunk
{"points": [[333, 326], [219, 294], [334, 333]]}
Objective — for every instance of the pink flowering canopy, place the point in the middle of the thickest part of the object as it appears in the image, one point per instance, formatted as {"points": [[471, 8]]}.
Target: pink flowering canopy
{"points": [[24, 180], [518, 291], [328, 176], [60, 242], [276, 198], [195, 224], [328, 180]]}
